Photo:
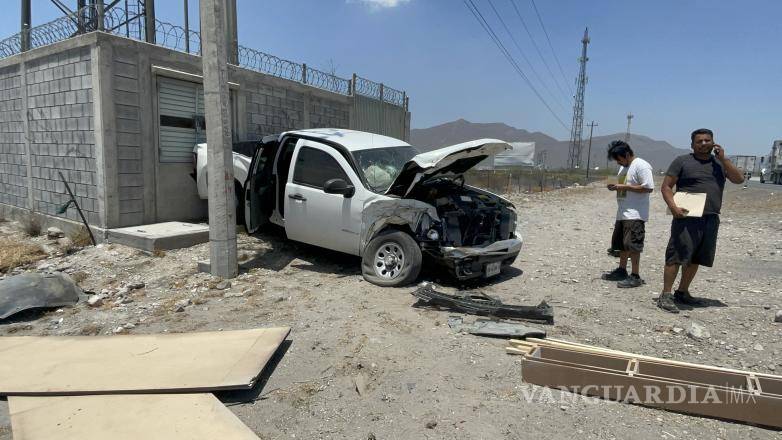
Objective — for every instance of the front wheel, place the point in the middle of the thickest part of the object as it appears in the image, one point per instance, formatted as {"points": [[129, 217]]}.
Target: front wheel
{"points": [[391, 259]]}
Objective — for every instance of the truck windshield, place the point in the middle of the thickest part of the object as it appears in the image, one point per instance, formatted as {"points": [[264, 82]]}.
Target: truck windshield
{"points": [[382, 165]]}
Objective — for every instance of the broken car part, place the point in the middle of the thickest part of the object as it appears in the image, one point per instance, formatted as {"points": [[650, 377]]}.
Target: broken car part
{"points": [[490, 327], [478, 303], [36, 290], [703, 390], [181, 362]]}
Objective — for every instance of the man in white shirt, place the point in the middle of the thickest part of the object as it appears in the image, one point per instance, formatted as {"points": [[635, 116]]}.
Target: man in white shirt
{"points": [[635, 183]]}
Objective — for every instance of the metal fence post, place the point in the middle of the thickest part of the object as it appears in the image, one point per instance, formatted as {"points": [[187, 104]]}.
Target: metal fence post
{"points": [[304, 73], [187, 28], [100, 12], [26, 19]]}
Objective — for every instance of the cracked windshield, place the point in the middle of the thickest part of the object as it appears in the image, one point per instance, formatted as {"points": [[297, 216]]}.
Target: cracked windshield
{"points": [[382, 165]]}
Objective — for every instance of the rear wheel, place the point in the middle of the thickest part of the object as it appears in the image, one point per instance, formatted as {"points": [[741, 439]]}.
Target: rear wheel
{"points": [[391, 259]]}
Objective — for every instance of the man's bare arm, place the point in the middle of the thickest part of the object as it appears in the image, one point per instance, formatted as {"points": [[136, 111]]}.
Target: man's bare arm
{"points": [[731, 172], [667, 190], [633, 188]]}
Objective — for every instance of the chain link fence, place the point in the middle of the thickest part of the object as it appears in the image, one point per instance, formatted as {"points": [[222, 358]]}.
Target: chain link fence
{"points": [[130, 24]]}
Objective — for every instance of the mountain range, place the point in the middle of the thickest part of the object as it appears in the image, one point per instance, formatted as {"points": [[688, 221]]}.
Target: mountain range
{"points": [[656, 152]]}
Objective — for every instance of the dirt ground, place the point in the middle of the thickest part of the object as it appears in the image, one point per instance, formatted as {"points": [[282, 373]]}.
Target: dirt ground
{"points": [[423, 380]]}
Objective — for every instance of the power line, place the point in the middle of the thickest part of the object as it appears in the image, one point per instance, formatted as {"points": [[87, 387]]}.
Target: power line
{"points": [[486, 27], [537, 49], [523, 55], [556, 58]]}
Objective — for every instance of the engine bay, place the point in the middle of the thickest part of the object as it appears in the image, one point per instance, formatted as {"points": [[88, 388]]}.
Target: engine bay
{"points": [[469, 217]]}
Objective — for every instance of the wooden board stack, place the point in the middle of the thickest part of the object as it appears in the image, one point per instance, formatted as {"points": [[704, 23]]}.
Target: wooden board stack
{"points": [[703, 390]]}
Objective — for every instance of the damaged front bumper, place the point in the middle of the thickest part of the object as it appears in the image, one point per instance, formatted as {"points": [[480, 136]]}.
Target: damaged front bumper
{"points": [[474, 262]]}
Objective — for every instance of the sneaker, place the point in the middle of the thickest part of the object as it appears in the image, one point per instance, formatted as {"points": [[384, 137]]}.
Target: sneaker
{"points": [[617, 274], [665, 302], [631, 281], [683, 297]]}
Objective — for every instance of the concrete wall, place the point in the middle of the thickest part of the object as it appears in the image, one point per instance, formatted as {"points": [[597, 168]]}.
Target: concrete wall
{"points": [[13, 151], [383, 118], [53, 88], [91, 106]]}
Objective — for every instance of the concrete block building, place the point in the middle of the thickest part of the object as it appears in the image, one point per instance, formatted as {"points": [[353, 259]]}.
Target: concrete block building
{"points": [[119, 117]]}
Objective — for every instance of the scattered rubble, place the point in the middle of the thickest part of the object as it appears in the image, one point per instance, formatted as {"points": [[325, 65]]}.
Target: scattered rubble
{"points": [[697, 331], [53, 233]]}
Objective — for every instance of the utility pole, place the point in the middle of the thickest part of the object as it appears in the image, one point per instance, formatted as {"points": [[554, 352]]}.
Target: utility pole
{"points": [[592, 126], [222, 210], [574, 156], [630, 117]]}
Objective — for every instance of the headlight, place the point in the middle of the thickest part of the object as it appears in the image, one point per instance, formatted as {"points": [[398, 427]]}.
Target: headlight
{"points": [[432, 234]]}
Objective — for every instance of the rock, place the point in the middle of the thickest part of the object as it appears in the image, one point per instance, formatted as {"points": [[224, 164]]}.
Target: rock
{"points": [[778, 317], [758, 347], [119, 329], [65, 242], [54, 233], [696, 331], [179, 306], [361, 384], [233, 294], [677, 330], [96, 300], [135, 286], [222, 285], [431, 425]]}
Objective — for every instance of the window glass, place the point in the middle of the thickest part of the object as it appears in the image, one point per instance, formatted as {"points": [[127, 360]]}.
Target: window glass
{"points": [[314, 167]]}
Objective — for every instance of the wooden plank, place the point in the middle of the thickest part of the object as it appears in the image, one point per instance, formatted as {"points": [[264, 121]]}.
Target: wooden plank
{"points": [[737, 405], [607, 351], [139, 416], [182, 362]]}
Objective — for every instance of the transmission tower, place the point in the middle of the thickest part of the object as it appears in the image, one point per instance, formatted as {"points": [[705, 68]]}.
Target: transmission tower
{"points": [[574, 158], [630, 117]]}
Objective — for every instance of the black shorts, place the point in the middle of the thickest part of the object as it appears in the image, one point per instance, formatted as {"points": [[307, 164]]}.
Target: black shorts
{"points": [[628, 235], [693, 240]]}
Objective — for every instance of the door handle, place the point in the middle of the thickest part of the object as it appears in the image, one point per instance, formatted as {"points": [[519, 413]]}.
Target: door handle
{"points": [[297, 197]]}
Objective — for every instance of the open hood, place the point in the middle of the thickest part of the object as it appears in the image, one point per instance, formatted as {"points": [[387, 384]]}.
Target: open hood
{"points": [[456, 159]]}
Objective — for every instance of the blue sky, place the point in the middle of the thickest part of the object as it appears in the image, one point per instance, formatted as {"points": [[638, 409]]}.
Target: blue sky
{"points": [[676, 65]]}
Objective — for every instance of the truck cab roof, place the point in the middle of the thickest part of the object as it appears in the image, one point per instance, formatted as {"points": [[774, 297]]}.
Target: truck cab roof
{"points": [[352, 140]]}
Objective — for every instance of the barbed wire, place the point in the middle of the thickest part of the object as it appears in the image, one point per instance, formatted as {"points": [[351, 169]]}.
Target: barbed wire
{"points": [[327, 81], [117, 21], [371, 89], [263, 62]]}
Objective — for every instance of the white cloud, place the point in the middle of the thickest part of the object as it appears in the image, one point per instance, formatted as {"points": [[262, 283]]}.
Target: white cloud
{"points": [[379, 4]]}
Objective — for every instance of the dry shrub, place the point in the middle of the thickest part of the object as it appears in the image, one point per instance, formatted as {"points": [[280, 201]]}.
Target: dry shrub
{"points": [[160, 253], [80, 237], [31, 225], [14, 254]]}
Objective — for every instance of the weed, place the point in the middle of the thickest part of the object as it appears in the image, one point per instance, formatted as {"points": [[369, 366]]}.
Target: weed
{"points": [[14, 254], [31, 225]]}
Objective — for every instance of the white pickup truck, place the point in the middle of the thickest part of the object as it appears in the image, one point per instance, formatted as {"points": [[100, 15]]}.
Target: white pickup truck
{"points": [[242, 156], [374, 196]]}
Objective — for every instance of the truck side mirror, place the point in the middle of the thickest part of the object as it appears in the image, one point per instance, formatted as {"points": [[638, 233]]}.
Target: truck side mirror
{"points": [[339, 186]]}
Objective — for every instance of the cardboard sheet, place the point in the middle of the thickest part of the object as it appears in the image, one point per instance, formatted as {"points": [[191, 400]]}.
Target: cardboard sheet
{"points": [[126, 417], [180, 362], [692, 202]]}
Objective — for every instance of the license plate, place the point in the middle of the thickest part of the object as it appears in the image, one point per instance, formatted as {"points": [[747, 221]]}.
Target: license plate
{"points": [[493, 268]]}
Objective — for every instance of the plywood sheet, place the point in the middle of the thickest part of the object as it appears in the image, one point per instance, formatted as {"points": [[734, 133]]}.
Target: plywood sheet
{"points": [[182, 362], [125, 417]]}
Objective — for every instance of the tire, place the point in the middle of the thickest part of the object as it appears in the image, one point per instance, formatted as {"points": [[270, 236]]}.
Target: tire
{"points": [[239, 201], [381, 265]]}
